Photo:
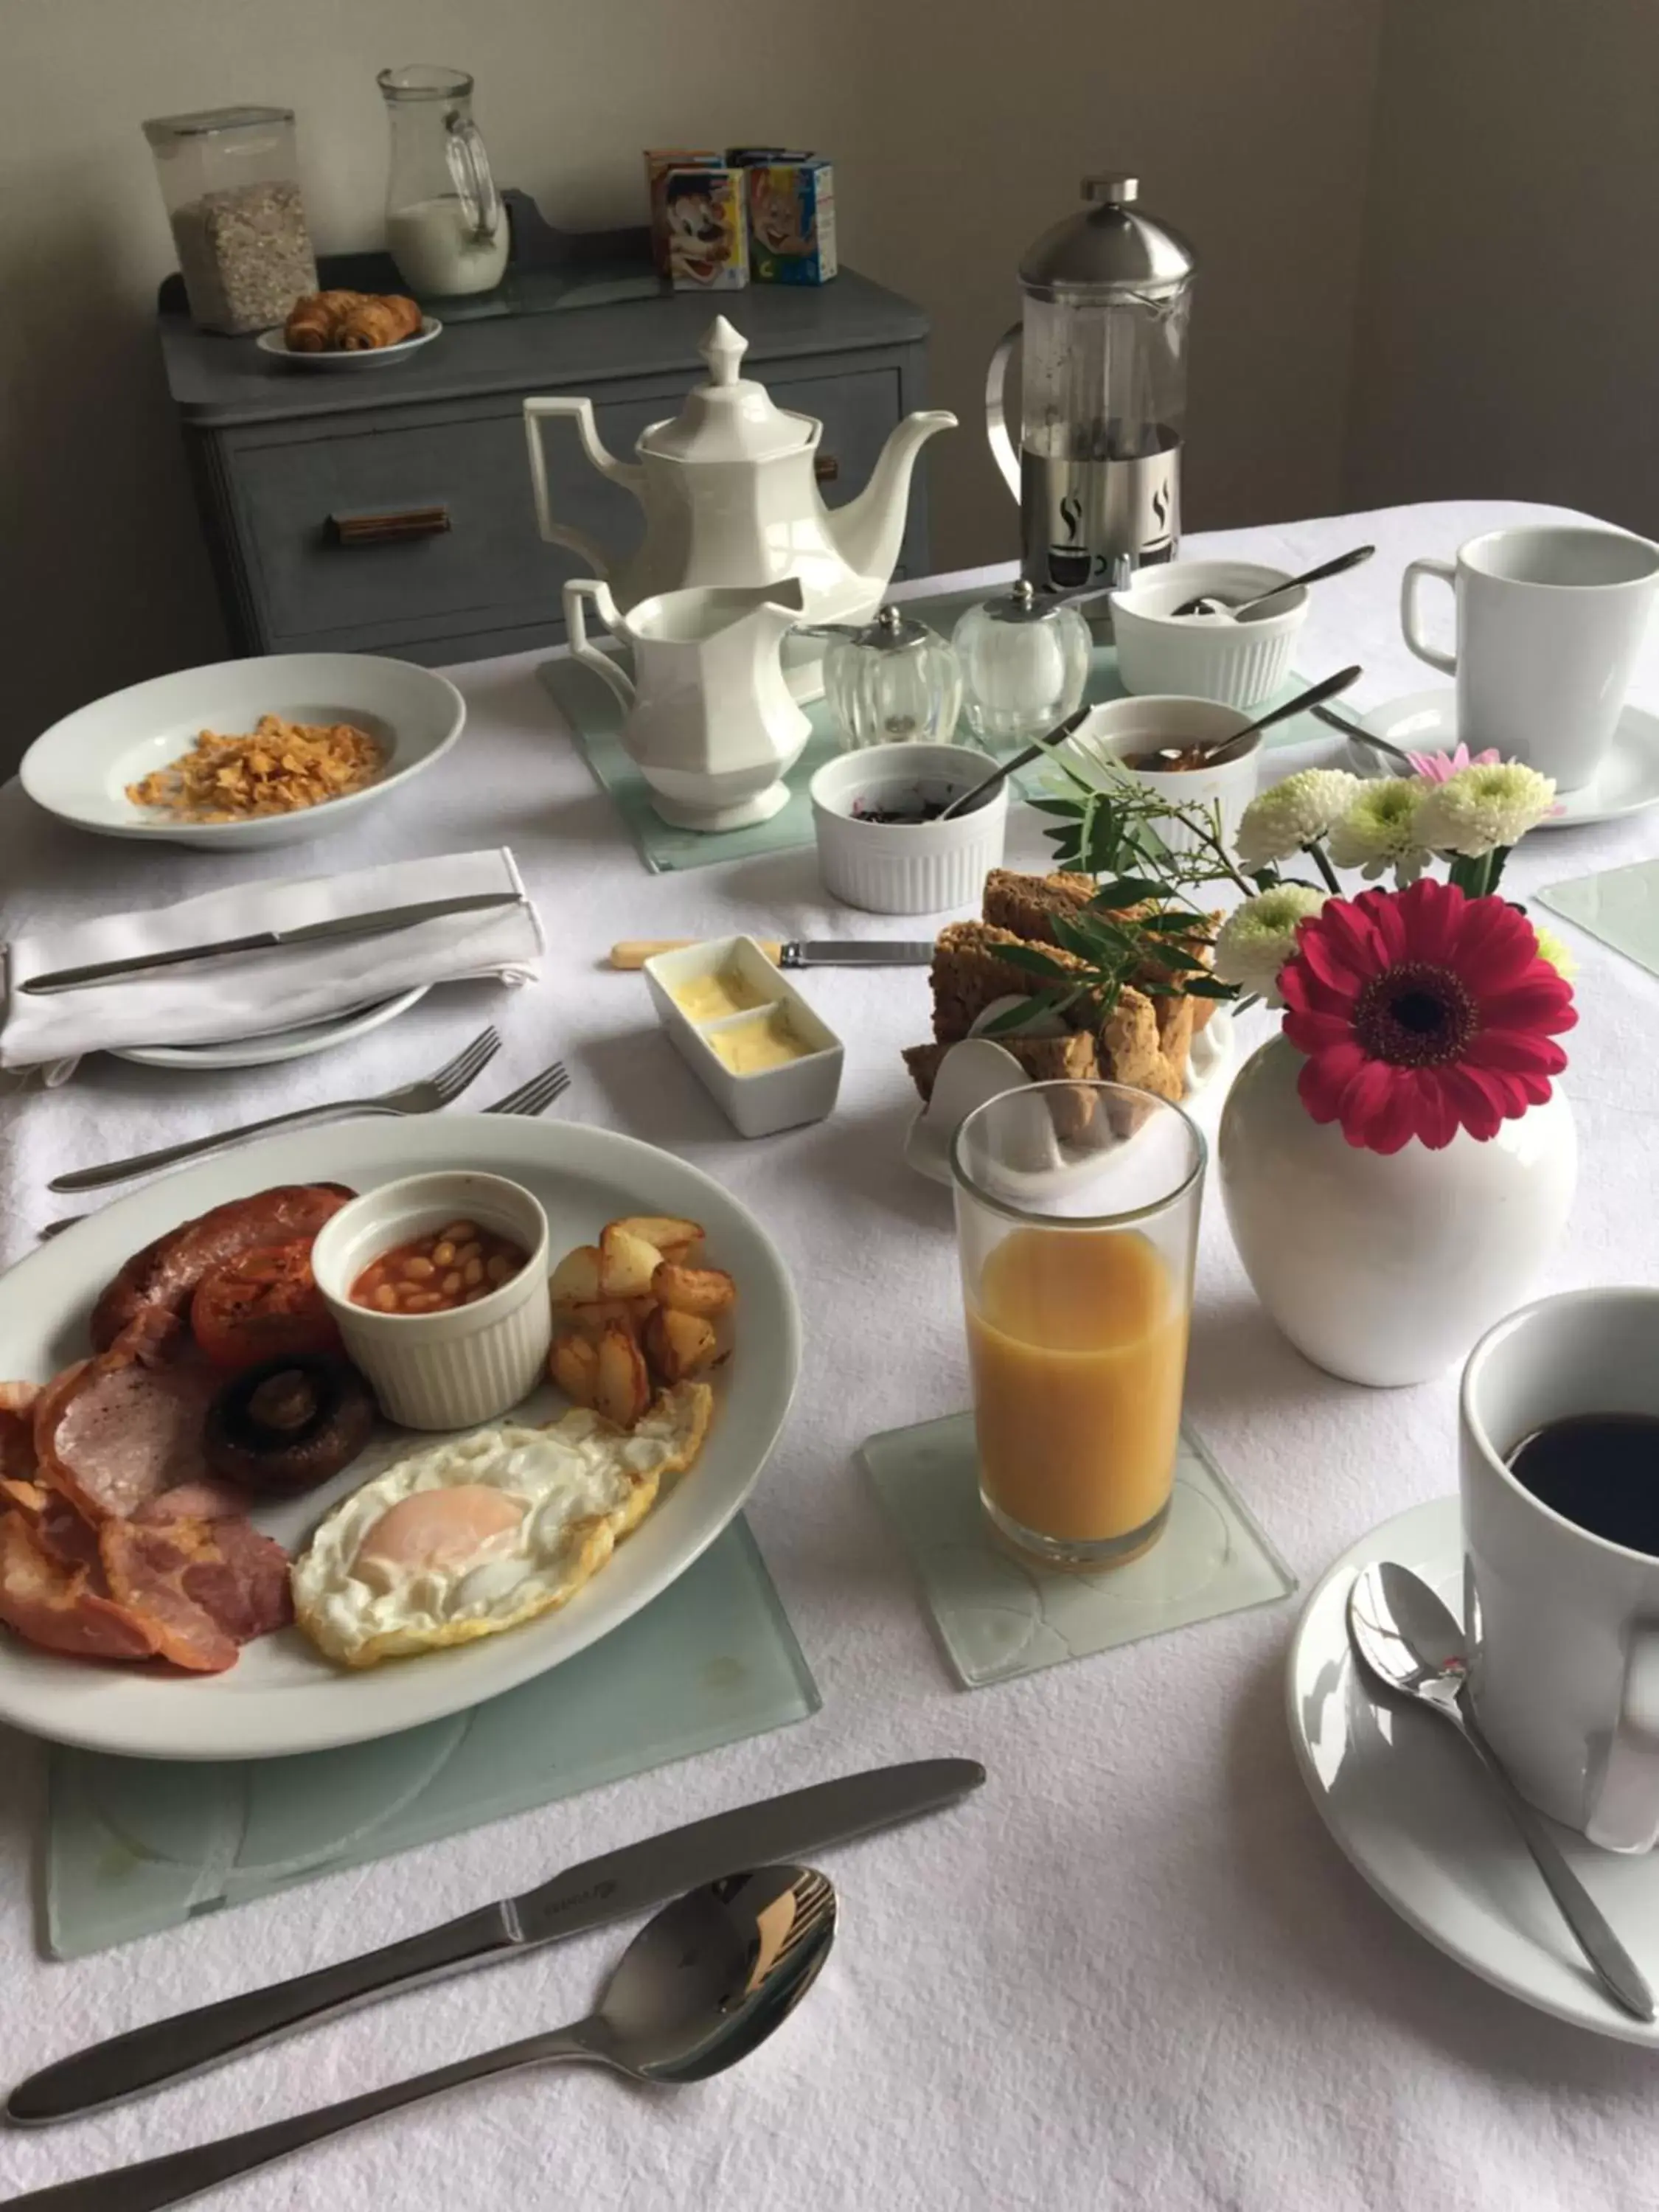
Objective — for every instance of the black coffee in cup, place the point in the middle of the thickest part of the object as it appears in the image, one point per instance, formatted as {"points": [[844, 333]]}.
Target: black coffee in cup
{"points": [[1600, 1471]]}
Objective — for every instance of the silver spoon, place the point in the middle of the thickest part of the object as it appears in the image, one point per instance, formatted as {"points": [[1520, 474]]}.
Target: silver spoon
{"points": [[1409, 1641], [1304, 703], [1383, 745], [699, 1988], [1247, 610]]}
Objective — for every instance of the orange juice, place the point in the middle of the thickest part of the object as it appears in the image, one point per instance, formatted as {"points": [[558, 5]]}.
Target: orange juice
{"points": [[1078, 1343]]}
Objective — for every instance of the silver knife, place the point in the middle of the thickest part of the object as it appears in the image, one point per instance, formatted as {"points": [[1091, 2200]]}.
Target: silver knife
{"points": [[796, 952], [378, 924], [620, 1884]]}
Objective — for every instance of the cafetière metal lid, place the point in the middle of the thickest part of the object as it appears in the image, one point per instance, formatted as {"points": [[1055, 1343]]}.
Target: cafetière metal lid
{"points": [[1113, 247]]}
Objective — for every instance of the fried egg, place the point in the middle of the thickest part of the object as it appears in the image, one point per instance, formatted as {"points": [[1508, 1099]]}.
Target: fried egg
{"points": [[481, 1532]]}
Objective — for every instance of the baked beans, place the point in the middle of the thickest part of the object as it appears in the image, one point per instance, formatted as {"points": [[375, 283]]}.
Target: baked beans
{"points": [[455, 1266]]}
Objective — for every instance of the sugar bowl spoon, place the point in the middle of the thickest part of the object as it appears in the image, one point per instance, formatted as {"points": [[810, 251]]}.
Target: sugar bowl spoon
{"points": [[1249, 610], [701, 1986], [1410, 1643]]}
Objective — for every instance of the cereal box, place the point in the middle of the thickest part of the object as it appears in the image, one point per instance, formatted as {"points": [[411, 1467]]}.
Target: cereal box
{"points": [[708, 238], [657, 163], [791, 220]]}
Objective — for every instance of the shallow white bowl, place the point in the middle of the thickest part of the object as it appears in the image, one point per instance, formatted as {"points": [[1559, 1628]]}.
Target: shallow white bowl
{"points": [[890, 867], [770, 1098], [80, 769], [450, 1370], [1205, 656], [1136, 726]]}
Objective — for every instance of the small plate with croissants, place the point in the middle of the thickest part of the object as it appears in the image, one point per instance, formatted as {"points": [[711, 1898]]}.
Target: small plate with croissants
{"points": [[350, 330]]}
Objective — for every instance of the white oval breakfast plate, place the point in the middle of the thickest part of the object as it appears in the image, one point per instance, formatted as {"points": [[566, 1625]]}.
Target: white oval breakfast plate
{"points": [[298, 1042], [1626, 782], [1412, 1811], [274, 344], [80, 769], [283, 1696]]}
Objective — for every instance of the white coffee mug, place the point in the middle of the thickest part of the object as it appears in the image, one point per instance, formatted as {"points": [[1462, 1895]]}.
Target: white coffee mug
{"points": [[1565, 1669], [1549, 623]]}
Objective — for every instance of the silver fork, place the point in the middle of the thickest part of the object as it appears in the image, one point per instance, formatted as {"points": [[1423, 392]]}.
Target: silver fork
{"points": [[426, 1096], [532, 1096], [537, 1093]]}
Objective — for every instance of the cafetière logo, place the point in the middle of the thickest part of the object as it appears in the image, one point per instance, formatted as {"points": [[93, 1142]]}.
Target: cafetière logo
{"points": [[1071, 514]]}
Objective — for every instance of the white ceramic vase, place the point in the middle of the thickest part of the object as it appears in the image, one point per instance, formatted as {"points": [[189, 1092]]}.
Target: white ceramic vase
{"points": [[1384, 1268]]}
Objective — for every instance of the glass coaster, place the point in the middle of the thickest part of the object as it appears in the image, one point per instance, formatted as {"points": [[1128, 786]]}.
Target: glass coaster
{"points": [[136, 1844], [1620, 906], [595, 714], [998, 1617]]}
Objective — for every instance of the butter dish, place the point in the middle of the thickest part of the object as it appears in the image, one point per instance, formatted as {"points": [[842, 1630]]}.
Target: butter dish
{"points": [[761, 1052]]}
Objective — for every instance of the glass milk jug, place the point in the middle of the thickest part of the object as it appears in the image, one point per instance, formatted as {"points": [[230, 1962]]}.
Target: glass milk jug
{"points": [[445, 225], [1104, 393]]}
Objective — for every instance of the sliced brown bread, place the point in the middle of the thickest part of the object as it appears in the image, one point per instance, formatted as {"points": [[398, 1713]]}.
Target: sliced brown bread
{"points": [[1071, 1058], [968, 976], [1028, 904]]}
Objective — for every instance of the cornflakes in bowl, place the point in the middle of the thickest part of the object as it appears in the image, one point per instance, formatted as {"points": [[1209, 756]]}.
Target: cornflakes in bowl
{"points": [[282, 767]]}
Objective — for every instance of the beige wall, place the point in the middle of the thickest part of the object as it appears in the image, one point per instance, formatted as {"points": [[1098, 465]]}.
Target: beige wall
{"points": [[960, 129], [1510, 303]]}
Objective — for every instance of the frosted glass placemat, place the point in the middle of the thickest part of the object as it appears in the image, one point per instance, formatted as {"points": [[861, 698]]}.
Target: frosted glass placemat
{"points": [[137, 1844], [1620, 906], [998, 1617], [595, 714]]}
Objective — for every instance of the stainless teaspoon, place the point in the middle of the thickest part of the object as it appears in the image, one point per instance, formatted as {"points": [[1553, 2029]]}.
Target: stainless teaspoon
{"points": [[699, 1987], [1249, 609], [1409, 1641]]}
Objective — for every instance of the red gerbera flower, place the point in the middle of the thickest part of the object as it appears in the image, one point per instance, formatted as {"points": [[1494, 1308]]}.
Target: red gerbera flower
{"points": [[1422, 1012]]}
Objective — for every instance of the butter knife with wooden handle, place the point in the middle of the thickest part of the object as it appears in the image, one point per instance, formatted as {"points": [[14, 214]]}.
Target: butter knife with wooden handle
{"points": [[826, 952]]}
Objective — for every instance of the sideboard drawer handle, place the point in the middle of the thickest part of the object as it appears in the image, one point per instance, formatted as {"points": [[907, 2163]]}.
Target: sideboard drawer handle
{"points": [[826, 468], [384, 529]]}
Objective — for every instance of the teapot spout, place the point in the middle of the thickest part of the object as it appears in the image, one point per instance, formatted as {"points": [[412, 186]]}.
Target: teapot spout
{"points": [[867, 531]]}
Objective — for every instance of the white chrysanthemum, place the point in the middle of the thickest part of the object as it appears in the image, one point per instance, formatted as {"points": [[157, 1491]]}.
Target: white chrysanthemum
{"points": [[1293, 814], [1484, 809], [1379, 831], [1258, 937], [1551, 948]]}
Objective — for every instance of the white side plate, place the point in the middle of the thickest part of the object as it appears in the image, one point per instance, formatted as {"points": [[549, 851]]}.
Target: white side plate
{"points": [[263, 1051], [274, 344]]}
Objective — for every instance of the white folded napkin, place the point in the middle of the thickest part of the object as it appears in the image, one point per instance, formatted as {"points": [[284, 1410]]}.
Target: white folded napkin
{"points": [[252, 993]]}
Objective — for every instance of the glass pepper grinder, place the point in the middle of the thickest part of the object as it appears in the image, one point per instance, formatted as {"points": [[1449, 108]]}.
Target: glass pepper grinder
{"points": [[1024, 661], [895, 682]]}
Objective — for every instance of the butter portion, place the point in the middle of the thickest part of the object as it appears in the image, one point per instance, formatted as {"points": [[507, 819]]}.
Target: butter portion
{"points": [[711, 998], [750, 1048]]}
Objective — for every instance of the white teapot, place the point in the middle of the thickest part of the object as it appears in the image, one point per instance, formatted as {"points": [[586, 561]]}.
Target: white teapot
{"points": [[711, 724], [731, 499]]}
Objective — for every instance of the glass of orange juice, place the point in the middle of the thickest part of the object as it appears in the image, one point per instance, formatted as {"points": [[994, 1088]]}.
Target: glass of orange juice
{"points": [[1077, 1219]]}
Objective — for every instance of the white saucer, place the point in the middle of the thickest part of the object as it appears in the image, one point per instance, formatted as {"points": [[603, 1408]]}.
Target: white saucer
{"points": [[1412, 1811], [966, 1081], [296, 1043], [275, 344], [1425, 722]]}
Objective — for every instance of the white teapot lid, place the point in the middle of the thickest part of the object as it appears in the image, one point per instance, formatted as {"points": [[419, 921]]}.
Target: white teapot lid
{"points": [[729, 418]]}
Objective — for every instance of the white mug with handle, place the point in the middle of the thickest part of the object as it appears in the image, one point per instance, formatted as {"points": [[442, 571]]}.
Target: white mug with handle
{"points": [[1565, 1671], [1549, 623]]}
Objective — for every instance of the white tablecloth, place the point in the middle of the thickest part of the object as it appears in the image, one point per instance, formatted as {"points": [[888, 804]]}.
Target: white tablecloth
{"points": [[1134, 1971]]}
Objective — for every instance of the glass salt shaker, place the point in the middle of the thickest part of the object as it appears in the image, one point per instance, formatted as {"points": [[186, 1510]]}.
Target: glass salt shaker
{"points": [[895, 682], [1024, 663]]}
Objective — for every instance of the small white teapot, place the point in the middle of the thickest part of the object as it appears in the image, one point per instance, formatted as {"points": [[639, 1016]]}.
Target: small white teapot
{"points": [[711, 723]]}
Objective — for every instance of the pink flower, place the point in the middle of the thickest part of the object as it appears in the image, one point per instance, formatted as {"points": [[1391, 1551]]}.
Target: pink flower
{"points": [[1439, 767], [1422, 1012]]}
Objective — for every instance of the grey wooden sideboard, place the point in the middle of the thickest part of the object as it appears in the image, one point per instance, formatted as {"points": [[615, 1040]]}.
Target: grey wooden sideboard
{"points": [[389, 509]]}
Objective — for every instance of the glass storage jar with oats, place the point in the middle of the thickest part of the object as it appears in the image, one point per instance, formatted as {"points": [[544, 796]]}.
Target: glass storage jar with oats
{"points": [[231, 185]]}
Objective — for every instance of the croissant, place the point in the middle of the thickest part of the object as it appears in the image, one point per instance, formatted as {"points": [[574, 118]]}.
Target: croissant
{"points": [[313, 323], [383, 321]]}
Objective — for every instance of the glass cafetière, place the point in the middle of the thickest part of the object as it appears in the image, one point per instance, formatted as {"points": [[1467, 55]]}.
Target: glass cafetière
{"points": [[1104, 393]]}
